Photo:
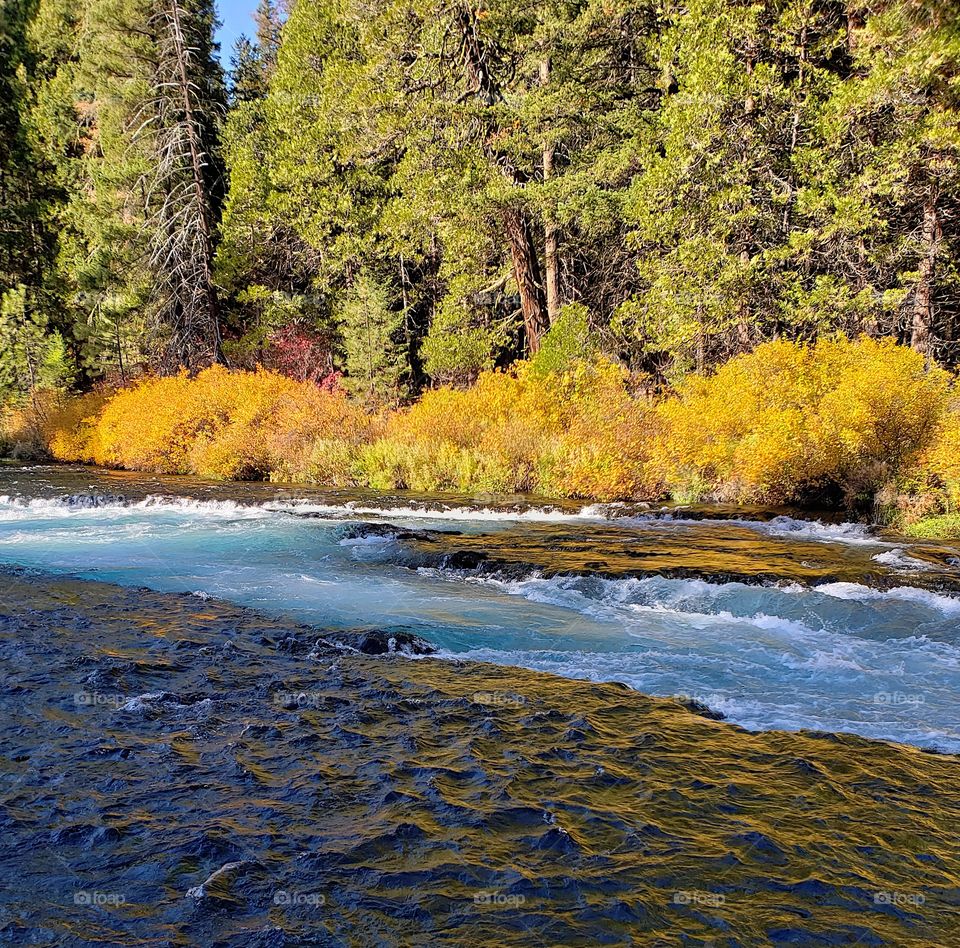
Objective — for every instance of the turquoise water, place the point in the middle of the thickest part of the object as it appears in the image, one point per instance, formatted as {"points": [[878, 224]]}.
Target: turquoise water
{"points": [[859, 633]]}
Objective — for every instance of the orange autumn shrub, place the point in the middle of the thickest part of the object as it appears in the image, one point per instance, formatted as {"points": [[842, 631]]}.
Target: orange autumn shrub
{"points": [[865, 419], [932, 486], [71, 429], [602, 450], [486, 438], [222, 424], [21, 434], [942, 460], [56, 424], [574, 433], [149, 426]]}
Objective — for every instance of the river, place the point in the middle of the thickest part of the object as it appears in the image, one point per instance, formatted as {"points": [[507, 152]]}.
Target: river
{"points": [[187, 693]]}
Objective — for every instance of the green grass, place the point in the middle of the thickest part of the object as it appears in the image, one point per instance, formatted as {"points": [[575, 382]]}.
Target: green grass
{"points": [[944, 527]]}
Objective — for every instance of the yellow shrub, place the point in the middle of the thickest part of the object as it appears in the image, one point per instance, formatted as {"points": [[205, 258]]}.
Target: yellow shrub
{"points": [[937, 473], [224, 424], [149, 426], [770, 426], [579, 433], [63, 426], [603, 445], [72, 432], [788, 418]]}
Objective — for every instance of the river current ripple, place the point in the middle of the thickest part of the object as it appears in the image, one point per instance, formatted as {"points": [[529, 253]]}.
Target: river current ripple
{"points": [[214, 760]]}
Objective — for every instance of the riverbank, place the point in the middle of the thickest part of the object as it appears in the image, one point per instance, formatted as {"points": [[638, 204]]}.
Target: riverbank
{"points": [[864, 426], [219, 773]]}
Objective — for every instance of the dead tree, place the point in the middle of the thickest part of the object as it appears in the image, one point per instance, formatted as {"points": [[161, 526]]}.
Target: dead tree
{"points": [[179, 197]]}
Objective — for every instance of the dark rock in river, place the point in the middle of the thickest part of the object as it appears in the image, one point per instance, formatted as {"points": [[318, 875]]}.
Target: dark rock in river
{"points": [[381, 642], [218, 884], [388, 531], [698, 707], [463, 559]]}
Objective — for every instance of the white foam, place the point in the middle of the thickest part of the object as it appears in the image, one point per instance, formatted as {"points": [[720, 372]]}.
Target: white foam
{"points": [[375, 540], [18, 508], [948, 605], [830, 689], [15, 508], [353, 509], [142, 702], [658, 592], [899, 560], [829, 660], [781, 527], [148, 702], [855, 533]]}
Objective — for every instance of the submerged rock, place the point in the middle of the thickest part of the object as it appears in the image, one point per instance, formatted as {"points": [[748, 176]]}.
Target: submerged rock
{"points": [[386, 531], [463, 559], [381, 642], [217, 884]]}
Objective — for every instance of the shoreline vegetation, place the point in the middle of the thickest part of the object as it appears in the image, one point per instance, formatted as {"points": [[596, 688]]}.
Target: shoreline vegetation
{"points": [[865, 425]]}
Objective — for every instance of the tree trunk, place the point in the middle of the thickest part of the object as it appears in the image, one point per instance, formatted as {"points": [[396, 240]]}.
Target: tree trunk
{"points": [[550, 231], [523, 252], [701, 347], [526, 272], [744, 316], [744, 329], [551, 264], [922, 336]]}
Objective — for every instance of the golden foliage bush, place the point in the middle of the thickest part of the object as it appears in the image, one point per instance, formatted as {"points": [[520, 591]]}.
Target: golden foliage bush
{"points": [[932, 486], [22, 435], [942, 460], [789, 419], [603, 446], [70, 429], [575, 433], [485, 438], [779, 424], [219, 424], [61, 426]]}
